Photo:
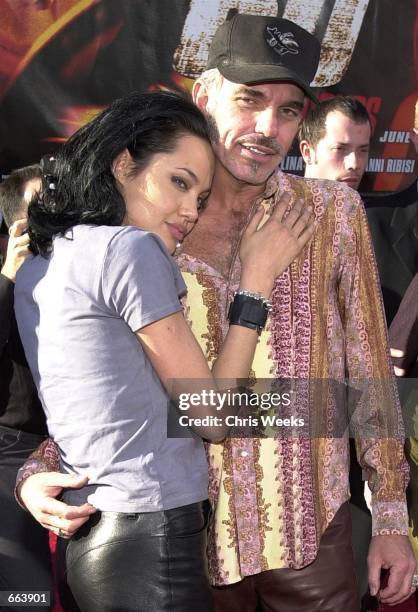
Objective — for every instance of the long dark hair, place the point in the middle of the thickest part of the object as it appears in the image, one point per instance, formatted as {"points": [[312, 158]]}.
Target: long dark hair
{"points": [[79, 186]]}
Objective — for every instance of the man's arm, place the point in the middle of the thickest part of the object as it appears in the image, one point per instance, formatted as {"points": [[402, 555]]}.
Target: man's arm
{"points": [[377, 418], [6, 309], [403, 332]]}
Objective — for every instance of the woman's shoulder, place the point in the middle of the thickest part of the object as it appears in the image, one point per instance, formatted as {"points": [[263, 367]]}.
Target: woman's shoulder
{"points": [[129, 238], [101, 238]]}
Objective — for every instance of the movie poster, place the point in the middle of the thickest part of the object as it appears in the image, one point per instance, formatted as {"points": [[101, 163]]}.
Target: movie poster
{"points": [[62, 61]]}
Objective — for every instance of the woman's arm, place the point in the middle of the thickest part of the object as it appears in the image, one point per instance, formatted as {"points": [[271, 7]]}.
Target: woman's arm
{"points": [[174, 351]]}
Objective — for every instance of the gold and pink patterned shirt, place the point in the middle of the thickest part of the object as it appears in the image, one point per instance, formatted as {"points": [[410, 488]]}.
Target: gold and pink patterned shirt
{"points": [[274, 497]]}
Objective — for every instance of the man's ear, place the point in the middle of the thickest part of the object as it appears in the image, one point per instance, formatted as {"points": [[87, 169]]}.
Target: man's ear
{"points": [[200, 95], [121, 165], [307, 151]]}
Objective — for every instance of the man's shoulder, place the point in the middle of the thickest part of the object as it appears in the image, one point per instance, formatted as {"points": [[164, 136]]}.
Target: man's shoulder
{"points": [[321, 192]]}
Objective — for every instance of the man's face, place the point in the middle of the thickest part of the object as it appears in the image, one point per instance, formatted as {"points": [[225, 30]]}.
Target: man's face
{"points": [[342, 154], [255, 125], [31, 187]]}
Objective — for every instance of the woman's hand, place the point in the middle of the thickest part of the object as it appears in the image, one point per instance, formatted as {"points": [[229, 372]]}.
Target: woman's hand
{"points": [[266, 252]]}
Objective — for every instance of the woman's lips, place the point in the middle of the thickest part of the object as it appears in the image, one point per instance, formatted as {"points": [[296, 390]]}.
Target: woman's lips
{"points": [[177, 231]]}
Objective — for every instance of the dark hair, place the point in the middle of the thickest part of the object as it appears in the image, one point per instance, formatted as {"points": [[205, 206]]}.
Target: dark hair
{"points": [[312, 128], [80, 187], [12, 190]]}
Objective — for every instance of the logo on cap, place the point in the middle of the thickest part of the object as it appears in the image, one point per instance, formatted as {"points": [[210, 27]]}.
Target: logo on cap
{"points": [[281, 43]]}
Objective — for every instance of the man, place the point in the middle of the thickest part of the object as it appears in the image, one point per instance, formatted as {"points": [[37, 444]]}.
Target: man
{"points": [[334, 140], [280, 533], [24, 549]]}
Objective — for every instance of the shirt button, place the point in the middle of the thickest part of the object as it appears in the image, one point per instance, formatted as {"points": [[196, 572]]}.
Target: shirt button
{"points": [[244, 454]]}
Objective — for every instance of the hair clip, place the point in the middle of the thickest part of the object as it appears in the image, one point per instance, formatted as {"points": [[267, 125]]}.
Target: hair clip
{"points": [[47, 165]]}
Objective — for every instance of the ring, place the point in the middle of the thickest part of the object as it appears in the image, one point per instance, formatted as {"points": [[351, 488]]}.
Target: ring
{"points": [[57, 531], [415, 580]]}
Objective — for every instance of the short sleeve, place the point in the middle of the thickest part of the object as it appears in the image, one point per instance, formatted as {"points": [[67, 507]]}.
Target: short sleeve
{"points": [[141, 282]]}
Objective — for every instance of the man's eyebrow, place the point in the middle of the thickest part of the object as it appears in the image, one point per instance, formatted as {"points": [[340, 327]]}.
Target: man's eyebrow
{"points": [[257, 94], [190, 172], [249, 91]]}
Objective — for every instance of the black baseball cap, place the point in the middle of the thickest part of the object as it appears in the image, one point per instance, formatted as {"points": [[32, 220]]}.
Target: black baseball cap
{"points": [[257, 49]]}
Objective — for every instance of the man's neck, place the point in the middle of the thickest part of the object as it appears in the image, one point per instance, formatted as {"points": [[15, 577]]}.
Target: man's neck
{"points": [[309, 173], [217, 234]]}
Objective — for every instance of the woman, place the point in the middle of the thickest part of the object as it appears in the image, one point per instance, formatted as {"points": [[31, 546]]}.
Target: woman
{"points": [[100, 318]]}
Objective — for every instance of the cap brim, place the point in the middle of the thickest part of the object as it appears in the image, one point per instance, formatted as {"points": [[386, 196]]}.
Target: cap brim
{"points": [[263, 73]]}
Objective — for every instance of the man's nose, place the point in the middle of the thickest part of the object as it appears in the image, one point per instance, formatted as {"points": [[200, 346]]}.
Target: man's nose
{"points": [[351, 161], [267, 123]]}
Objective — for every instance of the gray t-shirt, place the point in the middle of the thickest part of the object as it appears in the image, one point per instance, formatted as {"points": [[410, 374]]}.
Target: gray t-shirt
{"points": [[106, 408]]}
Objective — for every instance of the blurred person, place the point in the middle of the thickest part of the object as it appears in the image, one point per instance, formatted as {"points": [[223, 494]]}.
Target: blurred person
{"points": [[393, 222], [403, 338], [24, 550]]}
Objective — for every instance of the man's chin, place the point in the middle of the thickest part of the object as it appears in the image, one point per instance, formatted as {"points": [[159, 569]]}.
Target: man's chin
{"points": [[255, 175], [353, 183]]}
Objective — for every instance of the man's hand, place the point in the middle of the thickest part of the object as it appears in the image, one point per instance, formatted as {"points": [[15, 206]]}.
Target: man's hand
{"points": [[38, 493], [17, 249], [392, 552]]}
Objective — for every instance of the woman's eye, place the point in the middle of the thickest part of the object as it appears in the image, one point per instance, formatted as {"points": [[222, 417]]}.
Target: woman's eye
{"points": [[181, 183]]}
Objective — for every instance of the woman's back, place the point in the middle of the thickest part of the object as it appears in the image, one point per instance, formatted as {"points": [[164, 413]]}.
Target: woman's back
{"points": [[105, 404]]}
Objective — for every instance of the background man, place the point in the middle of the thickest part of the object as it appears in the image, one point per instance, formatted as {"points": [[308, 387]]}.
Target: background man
{"points": [[281, 522], [24, 549], [334, 140]]}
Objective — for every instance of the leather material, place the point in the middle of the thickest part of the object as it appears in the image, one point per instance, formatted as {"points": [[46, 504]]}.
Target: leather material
{"points": [[142, 562], [326, 585]]}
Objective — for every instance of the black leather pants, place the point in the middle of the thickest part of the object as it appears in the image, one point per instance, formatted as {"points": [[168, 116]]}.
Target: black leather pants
{"points": [[142, 562]]}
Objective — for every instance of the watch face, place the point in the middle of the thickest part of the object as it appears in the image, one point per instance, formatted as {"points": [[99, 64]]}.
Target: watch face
{"points": [[248, 311]]}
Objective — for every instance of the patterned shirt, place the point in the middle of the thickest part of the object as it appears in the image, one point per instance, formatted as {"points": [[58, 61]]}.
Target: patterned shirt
{"points": [[274, 497]]}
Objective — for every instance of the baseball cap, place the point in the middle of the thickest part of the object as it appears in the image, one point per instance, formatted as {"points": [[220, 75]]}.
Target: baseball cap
{"points": [[257, 49]]}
